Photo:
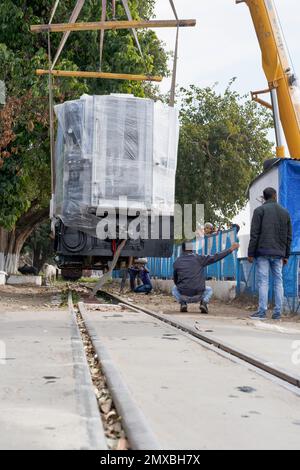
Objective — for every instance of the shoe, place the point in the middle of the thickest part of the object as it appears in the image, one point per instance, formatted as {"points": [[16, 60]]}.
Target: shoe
{"points": [[204, 307], [276, 317], [258, 316], [254, 315], [183, 308]]}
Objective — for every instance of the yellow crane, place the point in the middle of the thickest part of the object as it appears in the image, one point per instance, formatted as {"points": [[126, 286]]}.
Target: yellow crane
{"points": [[283, 86]]}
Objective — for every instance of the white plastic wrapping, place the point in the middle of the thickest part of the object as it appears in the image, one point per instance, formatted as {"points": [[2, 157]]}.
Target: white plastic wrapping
{"points": [[110, 149]]}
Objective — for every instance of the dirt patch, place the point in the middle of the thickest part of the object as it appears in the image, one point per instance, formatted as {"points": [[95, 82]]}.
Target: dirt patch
{"points": [[164, 303], [29, 298]]}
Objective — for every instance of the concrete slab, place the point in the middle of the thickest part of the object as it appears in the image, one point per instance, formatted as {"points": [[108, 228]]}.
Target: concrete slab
{"points": [[46, 395], [274, 343], [19, 280], [192, 397]]}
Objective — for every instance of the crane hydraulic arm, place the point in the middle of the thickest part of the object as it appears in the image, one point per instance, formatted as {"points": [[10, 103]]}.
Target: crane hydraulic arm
{"points": [[278, 71]]}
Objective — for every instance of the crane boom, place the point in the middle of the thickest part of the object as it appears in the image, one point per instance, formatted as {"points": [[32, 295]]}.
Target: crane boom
{"points": [[278, 69]]}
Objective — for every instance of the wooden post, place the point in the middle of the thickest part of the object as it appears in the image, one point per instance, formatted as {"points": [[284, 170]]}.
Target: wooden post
{"points": [[101, 25], [104, 75]]}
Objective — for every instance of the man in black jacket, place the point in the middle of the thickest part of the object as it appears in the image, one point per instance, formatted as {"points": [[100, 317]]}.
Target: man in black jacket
{"points": [[189, 276], [270, 245]]}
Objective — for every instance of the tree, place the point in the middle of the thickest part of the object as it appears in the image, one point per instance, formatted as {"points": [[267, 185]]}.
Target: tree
{"points": [[24, 125], [39, 246], [223, 144]]}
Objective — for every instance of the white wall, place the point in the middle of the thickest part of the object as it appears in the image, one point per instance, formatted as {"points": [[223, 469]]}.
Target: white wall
{"points": [[270, 179]]}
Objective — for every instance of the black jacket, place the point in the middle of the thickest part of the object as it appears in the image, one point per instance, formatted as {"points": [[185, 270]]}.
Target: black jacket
{"points": [[189, 272], [271, 231]]}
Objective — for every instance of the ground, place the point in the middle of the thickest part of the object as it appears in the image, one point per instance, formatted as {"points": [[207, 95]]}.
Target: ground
{"points": [[25, 298], [28, 298], [46, 377], [164, 303]]}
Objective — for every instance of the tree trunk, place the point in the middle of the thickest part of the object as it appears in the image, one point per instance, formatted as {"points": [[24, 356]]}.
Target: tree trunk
{"points": [[11, 242], [10, 248]]}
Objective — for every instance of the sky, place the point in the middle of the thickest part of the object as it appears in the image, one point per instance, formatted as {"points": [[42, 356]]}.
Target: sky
{"points": [[224, 45]]}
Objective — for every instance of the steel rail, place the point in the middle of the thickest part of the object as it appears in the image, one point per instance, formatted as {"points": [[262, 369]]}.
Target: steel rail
{"points": [[222, 346]]}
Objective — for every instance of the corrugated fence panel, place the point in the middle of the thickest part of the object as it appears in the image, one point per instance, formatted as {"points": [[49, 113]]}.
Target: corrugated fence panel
{"points": [[162, 268], [247, 281]]}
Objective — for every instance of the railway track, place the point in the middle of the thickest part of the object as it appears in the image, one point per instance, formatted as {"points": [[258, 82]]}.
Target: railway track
{"points": [[130, 341], [260, 364]]}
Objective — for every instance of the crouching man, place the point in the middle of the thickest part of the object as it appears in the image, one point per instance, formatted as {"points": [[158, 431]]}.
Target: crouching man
{"points": [[189, 276]]}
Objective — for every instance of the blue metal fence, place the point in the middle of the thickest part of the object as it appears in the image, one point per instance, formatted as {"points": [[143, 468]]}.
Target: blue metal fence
{"points": [[247, 281], [162, 268], [232, 268]]}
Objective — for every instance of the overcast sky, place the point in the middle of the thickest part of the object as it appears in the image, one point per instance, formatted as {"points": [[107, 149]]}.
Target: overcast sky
{"points": [[223, 44]]}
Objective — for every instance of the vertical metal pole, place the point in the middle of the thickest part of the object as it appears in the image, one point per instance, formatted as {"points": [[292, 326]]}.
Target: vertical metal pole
{"points": [[51, 120], [280, 151], [174, 74]]}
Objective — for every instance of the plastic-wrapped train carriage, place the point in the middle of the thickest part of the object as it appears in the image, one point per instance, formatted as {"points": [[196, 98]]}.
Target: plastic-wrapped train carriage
{"points": [[115, 154]]}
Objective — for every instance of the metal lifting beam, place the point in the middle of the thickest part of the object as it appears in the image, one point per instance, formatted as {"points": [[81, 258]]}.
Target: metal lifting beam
{"points": [[106, 25], [105, 75]]}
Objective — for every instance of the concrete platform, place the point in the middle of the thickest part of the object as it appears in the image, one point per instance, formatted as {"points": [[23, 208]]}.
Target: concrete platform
{"points": [[46, 395], [20, 280], [192, 397], [275, 343]]}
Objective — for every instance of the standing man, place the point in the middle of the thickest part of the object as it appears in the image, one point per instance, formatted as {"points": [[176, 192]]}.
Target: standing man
{"points": [[270, 245], [189, 276]]}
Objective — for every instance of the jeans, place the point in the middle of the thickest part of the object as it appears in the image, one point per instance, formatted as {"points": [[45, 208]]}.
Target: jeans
{"points": [[132, 276], [207, 295], [264, 264], [144, 289]]}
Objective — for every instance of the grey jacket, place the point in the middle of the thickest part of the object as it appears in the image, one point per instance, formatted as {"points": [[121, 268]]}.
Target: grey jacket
{"points": [[189, 272], [271, 231]]}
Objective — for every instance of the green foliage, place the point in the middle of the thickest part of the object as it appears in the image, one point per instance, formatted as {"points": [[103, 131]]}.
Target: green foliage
{"points": [[223, 144], [39, 246], [24, 123]]}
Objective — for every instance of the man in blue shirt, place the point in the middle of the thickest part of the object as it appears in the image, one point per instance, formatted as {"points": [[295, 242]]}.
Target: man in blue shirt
{"points": [[140, 270]]}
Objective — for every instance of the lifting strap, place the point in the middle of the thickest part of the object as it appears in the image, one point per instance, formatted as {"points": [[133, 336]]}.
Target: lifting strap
{"points": [[174, 74], [51, 105], [53, 11], [103, 18], [73, 18], [129, 16], [114, 9]]}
